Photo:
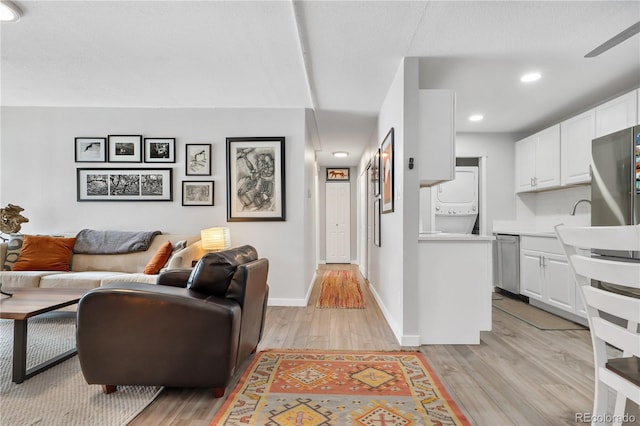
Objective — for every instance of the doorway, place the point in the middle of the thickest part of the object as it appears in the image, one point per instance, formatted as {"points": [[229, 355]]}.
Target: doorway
{"points": [[338, 222]]}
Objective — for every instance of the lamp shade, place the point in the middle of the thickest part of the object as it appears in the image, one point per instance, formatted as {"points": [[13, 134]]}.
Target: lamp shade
{"points": [[215, 239]]}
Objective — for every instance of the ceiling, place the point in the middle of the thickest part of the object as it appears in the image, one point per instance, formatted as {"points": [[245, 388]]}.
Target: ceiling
{"points": [[335, 57]]}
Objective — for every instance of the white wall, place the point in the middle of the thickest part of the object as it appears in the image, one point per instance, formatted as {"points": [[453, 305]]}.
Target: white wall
{"points": [[310, 197], [393, 266], [38, 172]]}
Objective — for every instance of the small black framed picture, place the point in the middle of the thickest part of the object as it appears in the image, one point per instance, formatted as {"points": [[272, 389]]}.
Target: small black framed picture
{"points": [[198, 159], [159, 150], [197, 193], [91, 150], [125, 148]]}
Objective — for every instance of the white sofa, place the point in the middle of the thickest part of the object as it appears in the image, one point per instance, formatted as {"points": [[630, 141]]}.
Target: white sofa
{"points": [[89, 271]]}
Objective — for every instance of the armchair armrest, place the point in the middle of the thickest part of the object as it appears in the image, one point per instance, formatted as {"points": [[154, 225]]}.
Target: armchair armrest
{"points": [[174, 277]]}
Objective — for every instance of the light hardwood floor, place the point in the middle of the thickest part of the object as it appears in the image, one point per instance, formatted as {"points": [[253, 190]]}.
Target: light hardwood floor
{"points": [[518, 375]]}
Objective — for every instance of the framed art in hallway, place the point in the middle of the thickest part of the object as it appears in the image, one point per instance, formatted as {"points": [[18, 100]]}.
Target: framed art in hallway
{"points": [[339, 175], [375, 173], [103, 184], [197, 193], [125, 148], [159, 150], [91, 150], [376, 222], [255, 179], [198, 159], [386, 169]]}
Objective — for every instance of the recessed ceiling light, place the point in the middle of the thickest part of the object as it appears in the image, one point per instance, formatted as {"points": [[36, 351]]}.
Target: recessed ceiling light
{"points": [[9, 11], [476, 117], [340, 154], [530, 77]]}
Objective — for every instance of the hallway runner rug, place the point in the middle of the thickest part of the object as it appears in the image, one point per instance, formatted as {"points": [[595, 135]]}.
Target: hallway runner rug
{"points": [[340, 289], [328, 388]]}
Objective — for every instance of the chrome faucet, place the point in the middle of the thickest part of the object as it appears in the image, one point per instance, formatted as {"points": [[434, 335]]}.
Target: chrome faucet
{"points": [[573, 210]]}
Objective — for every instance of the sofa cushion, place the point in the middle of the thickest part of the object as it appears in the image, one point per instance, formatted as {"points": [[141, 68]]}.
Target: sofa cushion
{"points": [[87, 280], [23, 278], [214, 272], [44, 253], [130, 262], [129, 278], [14, 246], [159, 259]]}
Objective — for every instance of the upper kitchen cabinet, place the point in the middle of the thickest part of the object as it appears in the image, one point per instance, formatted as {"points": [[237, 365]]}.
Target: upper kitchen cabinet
{"points": [[437, 136], [617, 114], [537, 160], [576, 134]]}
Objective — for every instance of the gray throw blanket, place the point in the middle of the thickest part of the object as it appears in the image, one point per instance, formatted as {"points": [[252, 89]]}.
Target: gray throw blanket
{"points": [[89, 241]]}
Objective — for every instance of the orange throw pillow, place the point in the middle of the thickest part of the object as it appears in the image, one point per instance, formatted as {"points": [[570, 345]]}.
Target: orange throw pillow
{"points": [[159, 259], [43, 253]]}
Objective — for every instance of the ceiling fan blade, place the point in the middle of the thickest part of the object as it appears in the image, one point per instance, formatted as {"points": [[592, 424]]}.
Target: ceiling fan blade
{"points": [[615, 40]]}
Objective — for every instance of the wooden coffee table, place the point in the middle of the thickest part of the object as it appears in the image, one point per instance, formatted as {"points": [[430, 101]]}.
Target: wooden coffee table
{"points": [[24, 304]]}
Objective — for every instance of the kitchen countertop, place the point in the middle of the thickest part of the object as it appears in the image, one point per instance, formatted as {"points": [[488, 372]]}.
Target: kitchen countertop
{"points": [[443, 236], [529, 233]]}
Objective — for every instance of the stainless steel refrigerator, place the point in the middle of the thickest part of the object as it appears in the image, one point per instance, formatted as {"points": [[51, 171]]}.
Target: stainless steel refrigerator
{"points": [[615, 181]]}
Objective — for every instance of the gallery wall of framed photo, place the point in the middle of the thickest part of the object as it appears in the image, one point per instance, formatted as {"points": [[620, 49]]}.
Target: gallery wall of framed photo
{"points": [[145, 182]]}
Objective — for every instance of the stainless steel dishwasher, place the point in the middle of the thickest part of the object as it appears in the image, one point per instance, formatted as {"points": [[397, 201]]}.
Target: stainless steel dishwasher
{"points": [[506, 266]]}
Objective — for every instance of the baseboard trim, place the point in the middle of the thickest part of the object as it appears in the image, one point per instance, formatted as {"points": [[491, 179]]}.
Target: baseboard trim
{"points": [[286, 302], [387, 316], [294, 302]]}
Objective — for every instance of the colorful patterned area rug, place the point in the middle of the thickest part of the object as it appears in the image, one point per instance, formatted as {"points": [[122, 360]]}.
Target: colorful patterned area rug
{"points": [[313, 388], [340, 289]]}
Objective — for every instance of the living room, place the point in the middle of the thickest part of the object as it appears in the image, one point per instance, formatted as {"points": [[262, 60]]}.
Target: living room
{"points": [[61, 81]]}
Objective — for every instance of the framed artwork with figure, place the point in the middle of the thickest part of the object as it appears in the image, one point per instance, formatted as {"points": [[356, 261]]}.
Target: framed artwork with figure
{"points": [[386, 169], [198, 159], [255, 179]]}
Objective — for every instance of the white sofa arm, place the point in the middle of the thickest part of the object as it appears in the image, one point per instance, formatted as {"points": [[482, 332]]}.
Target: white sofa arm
{"points": [[187, 256]]}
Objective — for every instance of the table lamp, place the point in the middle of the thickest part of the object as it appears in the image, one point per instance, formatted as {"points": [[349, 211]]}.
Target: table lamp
{"points": [[215, 239]]}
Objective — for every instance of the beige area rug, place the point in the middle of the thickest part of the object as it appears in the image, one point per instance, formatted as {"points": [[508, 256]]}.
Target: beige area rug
{"points": [[60, 395], [534, 316]]}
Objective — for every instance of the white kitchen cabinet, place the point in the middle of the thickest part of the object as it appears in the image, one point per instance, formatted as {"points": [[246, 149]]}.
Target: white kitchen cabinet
{"points": [[617, 114], [576, 134], [545, 274], [537, 160], [525, 165], [437, 135], [531, 277]]}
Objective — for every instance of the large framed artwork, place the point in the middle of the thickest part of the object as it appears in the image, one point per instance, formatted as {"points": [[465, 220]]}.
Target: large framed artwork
{"points": [[91, 150], [197, 193], [386, 169], [255, 179], [125, 148], [103, 184], [198, 159], [159, 150]]}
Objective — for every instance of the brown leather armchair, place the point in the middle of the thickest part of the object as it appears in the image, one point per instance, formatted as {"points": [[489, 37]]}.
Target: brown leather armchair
{"points": [[193, 328]]}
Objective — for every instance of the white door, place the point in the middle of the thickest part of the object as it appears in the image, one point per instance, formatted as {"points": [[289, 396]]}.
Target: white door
{"points": [[338, 216]]}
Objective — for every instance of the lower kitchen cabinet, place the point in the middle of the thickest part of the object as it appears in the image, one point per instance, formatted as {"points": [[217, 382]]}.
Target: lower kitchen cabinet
{"points": [[545, 274]]}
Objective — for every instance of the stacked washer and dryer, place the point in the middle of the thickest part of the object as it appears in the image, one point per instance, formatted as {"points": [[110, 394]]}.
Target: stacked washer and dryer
{"points": [[456, 202]]}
